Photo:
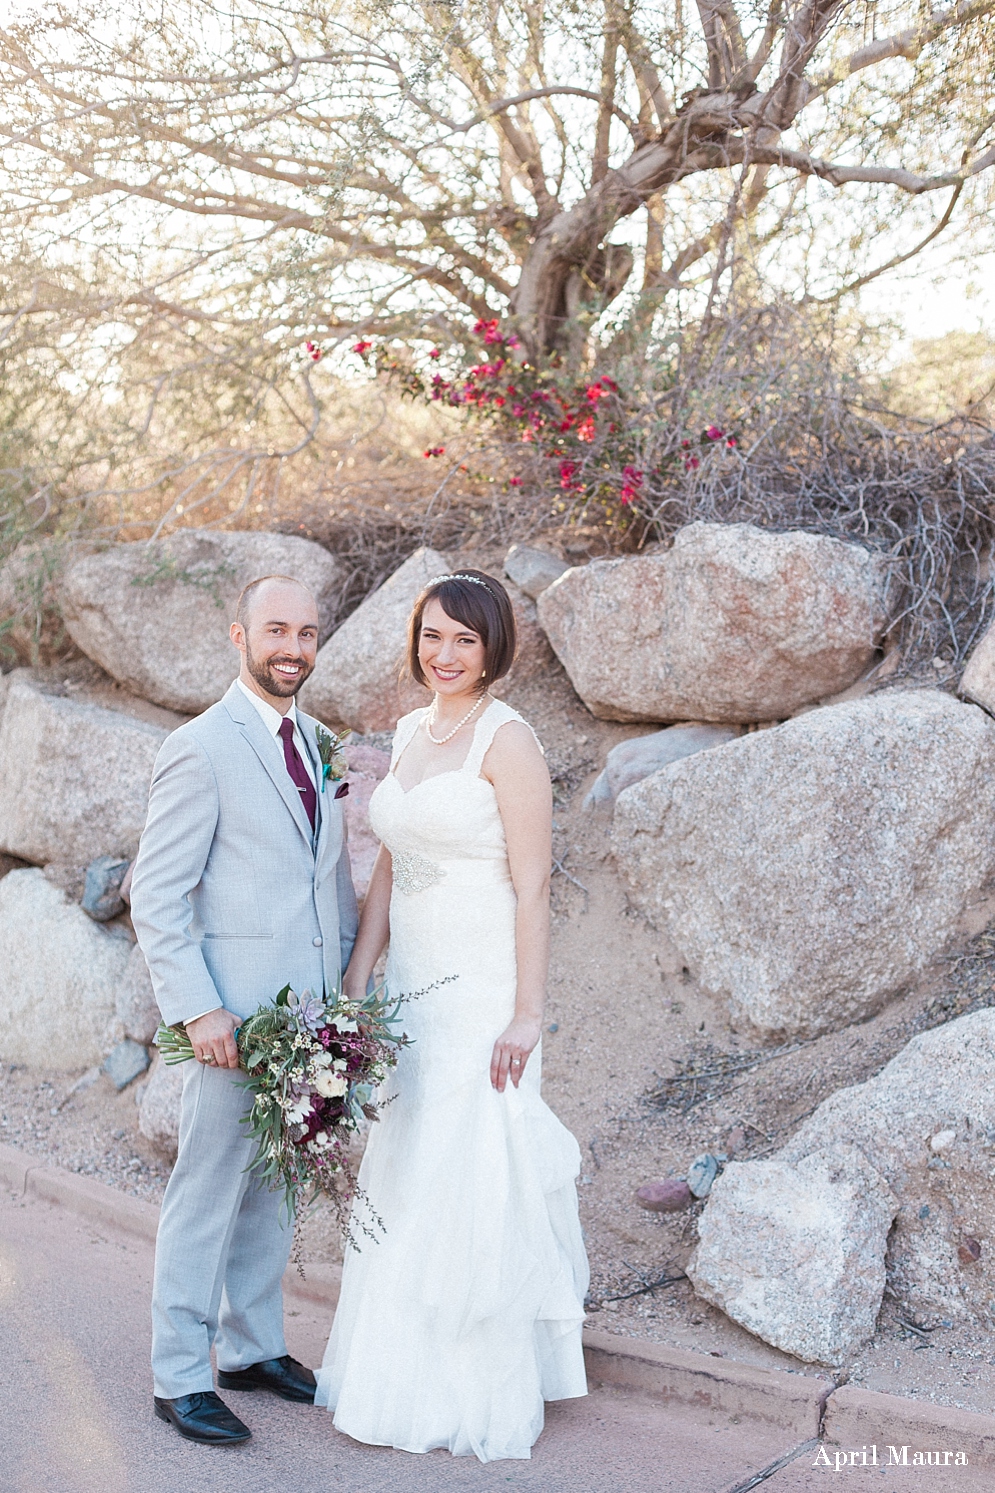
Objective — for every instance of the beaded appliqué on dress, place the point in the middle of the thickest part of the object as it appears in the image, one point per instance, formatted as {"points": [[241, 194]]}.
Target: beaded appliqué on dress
{"points": [[414, 872]]}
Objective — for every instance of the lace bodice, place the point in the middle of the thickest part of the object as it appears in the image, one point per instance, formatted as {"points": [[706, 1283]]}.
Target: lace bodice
{"points": [[446, 819]]}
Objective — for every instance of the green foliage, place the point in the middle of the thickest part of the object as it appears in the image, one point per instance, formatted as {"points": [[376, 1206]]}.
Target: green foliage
{"points": [[205, 577]]}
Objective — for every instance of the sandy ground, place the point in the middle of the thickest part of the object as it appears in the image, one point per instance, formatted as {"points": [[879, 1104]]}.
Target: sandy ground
{"points": [[623, 1018]]}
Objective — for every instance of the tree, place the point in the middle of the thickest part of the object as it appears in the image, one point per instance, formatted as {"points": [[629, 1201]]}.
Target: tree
{"points": [[390, 166], [203, 204]]}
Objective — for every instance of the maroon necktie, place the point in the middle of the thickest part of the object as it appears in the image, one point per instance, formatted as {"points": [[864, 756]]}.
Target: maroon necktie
{"points": [[297, 770]]}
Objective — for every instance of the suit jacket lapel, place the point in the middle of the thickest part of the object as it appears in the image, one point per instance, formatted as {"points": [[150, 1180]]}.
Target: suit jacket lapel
{"points": [[270, 754]]}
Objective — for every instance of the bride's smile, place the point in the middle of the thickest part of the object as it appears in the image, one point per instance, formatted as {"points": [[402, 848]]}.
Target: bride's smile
{"points": [[451, 656]]}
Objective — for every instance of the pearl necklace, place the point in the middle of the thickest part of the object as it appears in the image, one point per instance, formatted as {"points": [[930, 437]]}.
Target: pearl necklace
{"points": [[441, 740]]}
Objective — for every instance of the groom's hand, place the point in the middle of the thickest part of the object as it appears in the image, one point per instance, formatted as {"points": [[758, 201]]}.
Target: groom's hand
{"points": [[213, 1038]]}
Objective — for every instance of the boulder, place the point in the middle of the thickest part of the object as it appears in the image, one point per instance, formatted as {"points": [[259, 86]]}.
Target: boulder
{"points": [[156, 617], [159, 1109], [30, 606], [795, 1252], [367, 767], [134, 1000], [978, 679], [357, 681], [74, 778], [926, 1123], [59, 974], [808, 873], [534, 659], [532, 570], [732, 624], [635, 759]]}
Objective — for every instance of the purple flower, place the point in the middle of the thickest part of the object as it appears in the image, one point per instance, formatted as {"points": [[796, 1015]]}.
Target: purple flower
{"points": [[309, 1010]]}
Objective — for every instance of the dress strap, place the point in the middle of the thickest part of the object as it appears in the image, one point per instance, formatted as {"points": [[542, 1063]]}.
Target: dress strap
{"points": [[494, 717], [403, 732]]}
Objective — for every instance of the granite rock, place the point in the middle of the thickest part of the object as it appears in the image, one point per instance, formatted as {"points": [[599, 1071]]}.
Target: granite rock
{"points": [[102, 898], [978, 679], [134, 1000], [125, 1062], [795, 1253], [159, 1110], [534, 659], [59, 974], [809, 872], [731, 624], [74, 778], [30, 605], [631, 761], [926, 1123], [532, 570], [157, 617]]}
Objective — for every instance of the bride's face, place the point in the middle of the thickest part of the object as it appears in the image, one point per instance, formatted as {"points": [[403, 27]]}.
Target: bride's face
{"points": [[451, 655]]}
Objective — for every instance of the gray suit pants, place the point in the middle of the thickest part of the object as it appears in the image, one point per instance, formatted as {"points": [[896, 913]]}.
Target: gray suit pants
{"points": [[222, 1246]]}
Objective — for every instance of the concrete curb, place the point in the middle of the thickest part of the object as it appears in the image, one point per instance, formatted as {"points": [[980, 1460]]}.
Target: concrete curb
{"points": [[862, 1417], [793, 1402], [29, 1176], [805, 1406]]}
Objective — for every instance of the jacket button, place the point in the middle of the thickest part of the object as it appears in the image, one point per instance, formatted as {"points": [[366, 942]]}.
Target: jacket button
{"points": [[316, 942]]}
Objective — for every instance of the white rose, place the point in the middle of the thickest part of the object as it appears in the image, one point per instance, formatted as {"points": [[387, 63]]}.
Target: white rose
{"points": [[331, 1085]]}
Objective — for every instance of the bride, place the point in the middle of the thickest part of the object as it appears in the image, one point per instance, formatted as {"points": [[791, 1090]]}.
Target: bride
{"points": [[465, 1313]]}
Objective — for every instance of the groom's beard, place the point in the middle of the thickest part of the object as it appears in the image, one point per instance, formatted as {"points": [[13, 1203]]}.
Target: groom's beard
{"points": [[268, 679]]}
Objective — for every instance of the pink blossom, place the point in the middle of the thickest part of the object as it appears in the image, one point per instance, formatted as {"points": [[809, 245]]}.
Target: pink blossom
{"points": [[361, 347], [435, 353], [436, 451], [714, 433], [514, 481]]}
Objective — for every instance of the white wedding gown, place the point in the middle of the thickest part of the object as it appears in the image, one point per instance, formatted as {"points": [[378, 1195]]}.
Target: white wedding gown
{"points": [[465, 1315]]}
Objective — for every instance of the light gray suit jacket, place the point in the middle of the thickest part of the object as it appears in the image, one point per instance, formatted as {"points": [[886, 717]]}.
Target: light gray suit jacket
{"points": [[233, 897]]}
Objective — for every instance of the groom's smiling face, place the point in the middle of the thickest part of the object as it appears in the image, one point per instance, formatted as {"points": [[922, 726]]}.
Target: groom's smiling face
{"points": [[278, 639]]}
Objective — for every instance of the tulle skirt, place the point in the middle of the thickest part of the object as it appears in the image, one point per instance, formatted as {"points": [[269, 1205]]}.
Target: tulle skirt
{"points": [[463, 1313]]}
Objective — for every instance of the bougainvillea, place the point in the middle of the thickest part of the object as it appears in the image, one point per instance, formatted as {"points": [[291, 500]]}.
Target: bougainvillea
{"points": [[585, 431]]}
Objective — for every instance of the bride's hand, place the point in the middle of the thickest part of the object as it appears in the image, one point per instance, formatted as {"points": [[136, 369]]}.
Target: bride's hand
{"points": [[512, 1049]]}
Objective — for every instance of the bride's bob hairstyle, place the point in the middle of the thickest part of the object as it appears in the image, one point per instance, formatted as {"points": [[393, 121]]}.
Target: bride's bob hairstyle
{"points": [[480, 604]]}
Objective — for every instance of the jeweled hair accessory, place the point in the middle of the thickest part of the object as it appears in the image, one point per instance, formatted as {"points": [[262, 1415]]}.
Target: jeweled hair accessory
{"points": [[459, 576]]}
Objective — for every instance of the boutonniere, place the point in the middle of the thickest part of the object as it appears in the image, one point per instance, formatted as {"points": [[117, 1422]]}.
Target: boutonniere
{"points": [[333, 759]]}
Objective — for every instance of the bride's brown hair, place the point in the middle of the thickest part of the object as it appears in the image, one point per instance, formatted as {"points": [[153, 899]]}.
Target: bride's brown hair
{"points": [[480, 603]]}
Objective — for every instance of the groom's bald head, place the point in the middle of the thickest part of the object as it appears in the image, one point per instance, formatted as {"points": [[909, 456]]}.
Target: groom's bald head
{"points": [[276, 632], [264, 589]]}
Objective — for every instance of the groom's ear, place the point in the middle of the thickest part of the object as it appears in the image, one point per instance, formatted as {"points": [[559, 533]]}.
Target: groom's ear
{"points": [[237, 634]]}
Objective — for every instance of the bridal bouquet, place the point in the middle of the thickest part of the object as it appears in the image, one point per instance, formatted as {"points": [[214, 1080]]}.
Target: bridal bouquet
{"points": [[312, 1066]]}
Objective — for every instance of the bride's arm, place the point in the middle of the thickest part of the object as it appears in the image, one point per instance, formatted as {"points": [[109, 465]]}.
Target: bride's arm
{"points": [[515, 765], [374, 929]]}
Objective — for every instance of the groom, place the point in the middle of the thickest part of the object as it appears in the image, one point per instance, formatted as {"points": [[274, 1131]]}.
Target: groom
{"points": [[242, 885]]}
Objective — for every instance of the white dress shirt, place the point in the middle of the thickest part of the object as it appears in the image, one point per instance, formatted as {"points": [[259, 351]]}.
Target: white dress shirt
{"points": [[272, 720]]}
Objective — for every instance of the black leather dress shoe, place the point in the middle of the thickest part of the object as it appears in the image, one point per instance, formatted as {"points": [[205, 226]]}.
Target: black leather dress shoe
{"points": [[202, 1417], [284, 1376]]}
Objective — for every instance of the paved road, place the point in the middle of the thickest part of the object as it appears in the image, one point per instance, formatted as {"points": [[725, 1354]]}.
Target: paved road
{"points": [[76, 1414]]}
